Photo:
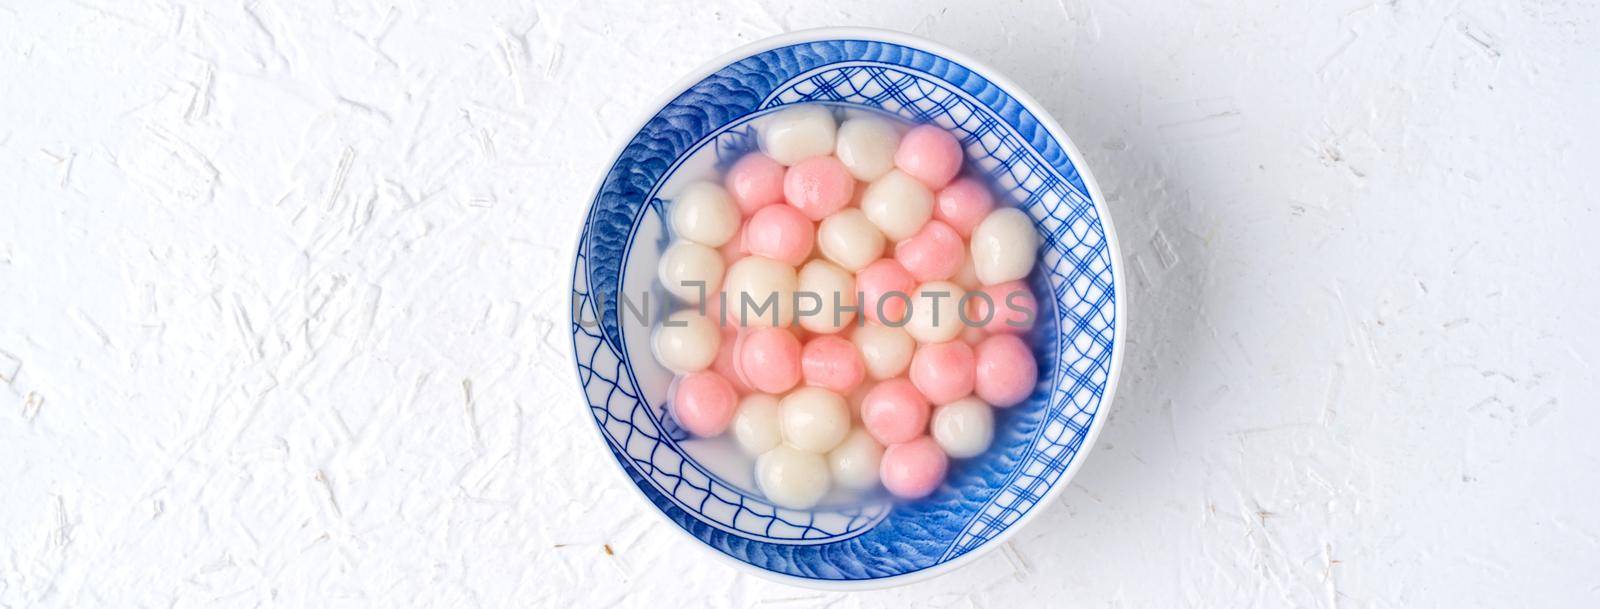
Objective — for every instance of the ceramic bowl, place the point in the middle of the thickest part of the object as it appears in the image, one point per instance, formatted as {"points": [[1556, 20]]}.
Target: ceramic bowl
{"points": [[701, 486]]}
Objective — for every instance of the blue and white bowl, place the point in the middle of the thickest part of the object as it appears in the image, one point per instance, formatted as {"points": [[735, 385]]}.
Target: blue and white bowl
{"points": [[706, 122]]}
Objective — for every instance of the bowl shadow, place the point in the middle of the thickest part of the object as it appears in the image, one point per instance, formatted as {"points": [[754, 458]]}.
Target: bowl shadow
{"points": [[1166, 279]]}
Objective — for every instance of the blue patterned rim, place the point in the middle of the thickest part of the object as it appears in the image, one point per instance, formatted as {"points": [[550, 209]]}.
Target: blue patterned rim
{"points": [[1038, 444]]}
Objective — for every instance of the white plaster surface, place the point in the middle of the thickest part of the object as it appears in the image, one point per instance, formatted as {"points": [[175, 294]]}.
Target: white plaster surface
{"points": [[282, 289]]}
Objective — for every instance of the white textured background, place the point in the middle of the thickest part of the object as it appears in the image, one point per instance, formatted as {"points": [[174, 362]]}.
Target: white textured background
{"points": [[282, 289]]}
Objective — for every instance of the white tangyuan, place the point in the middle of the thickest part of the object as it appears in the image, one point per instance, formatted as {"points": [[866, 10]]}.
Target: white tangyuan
{"points": [[813, 419], [866, 145], [898, 205], [854, 462], [791, 477], [850, 239], [1004, 246], [755, 424], [934, 314], [704, 213], [963, 428], [689, 271], [760, 292], [798, 133], [686, 342], [886, 351], [833, 290]]}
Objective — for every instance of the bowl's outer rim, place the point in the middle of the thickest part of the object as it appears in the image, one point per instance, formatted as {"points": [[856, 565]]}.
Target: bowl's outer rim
{"points": [[1113, 248]]}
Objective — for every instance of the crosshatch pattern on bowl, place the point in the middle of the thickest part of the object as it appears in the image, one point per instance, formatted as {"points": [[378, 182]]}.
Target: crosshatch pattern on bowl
{"points": [[983, 496]]}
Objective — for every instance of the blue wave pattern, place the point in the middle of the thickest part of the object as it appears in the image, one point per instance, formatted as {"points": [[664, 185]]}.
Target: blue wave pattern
{"points": [[1036, 441], [1074, 253], [646, 443]]}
